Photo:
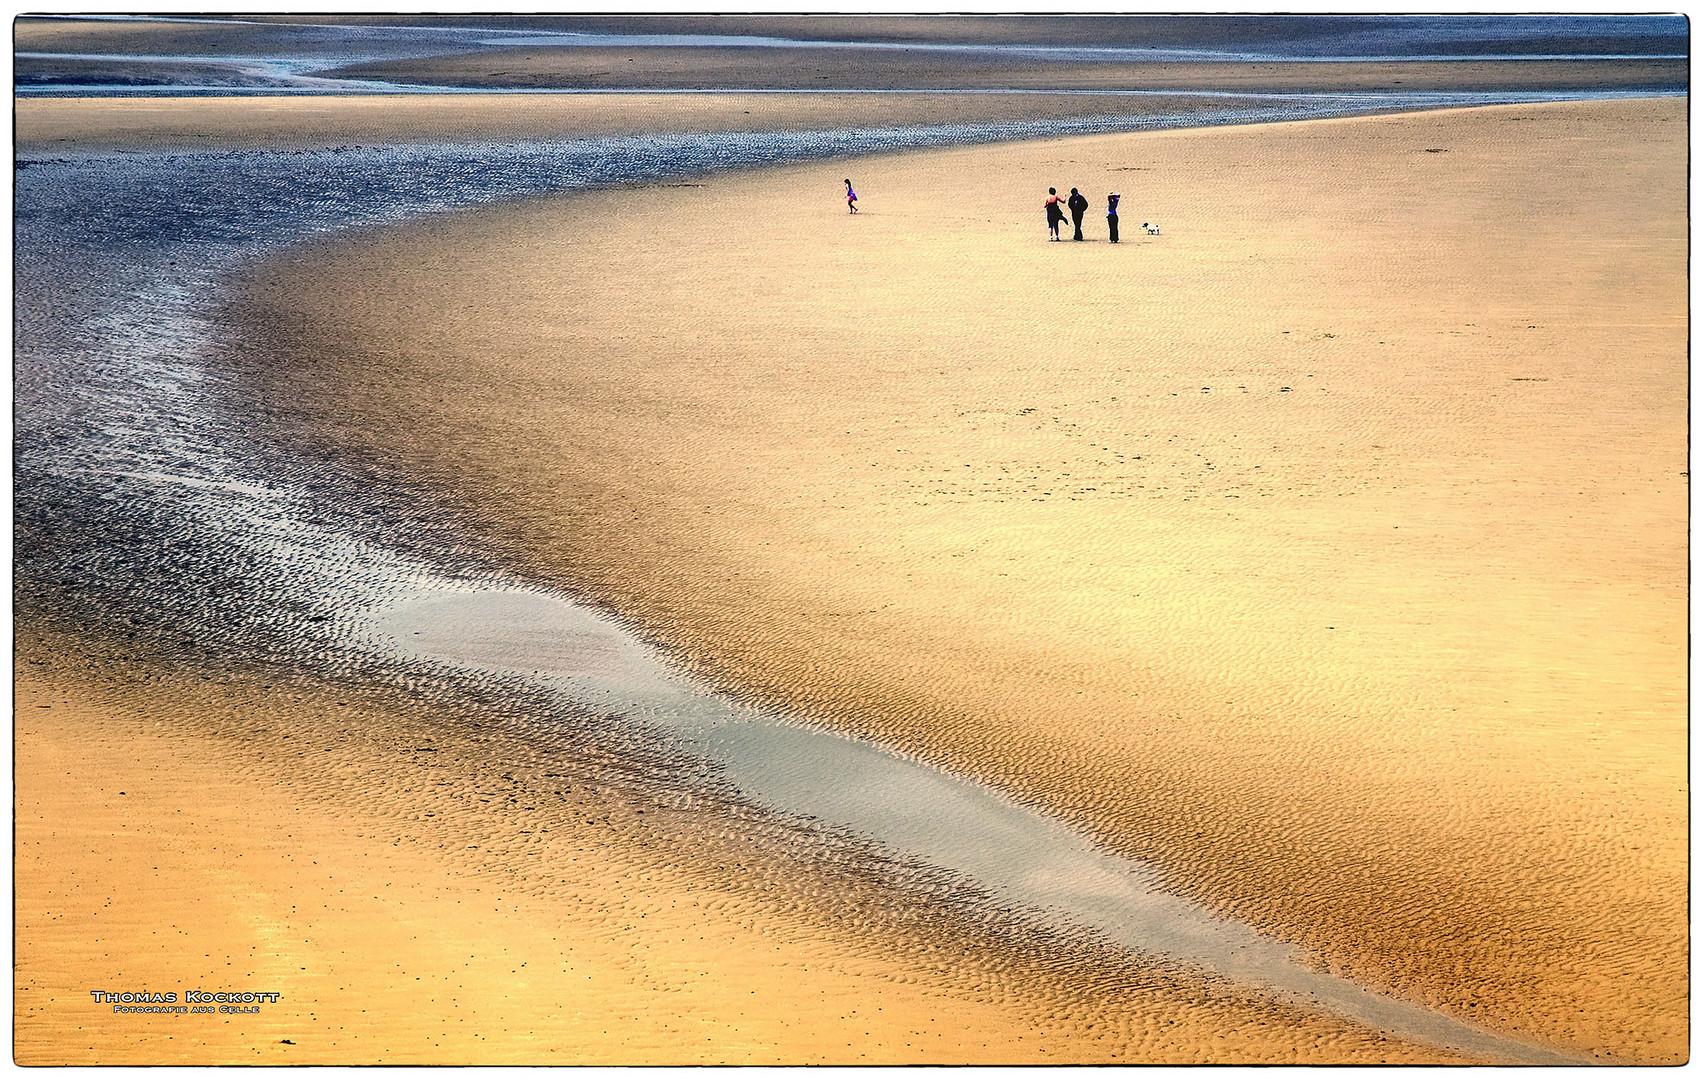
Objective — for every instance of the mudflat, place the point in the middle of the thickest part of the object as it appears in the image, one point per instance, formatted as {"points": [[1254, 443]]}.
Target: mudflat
{"points": [[805, 68], [1326, 550], [311, 121]]}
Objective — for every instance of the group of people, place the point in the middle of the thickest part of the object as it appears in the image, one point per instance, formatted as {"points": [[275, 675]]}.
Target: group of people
{"points": [[1077, 204]]}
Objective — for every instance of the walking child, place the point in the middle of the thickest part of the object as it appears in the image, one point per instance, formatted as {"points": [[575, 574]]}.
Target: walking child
{"points": [[851, 198]]}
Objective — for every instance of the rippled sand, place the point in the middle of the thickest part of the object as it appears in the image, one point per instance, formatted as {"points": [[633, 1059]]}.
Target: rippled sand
{"points": [[1326, 551], [431, 885], [146, 798]]}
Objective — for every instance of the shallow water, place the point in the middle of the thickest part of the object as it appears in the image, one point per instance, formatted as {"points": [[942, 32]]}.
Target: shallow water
{"points": [[145, 506], [1020, 856], [294, 57]]}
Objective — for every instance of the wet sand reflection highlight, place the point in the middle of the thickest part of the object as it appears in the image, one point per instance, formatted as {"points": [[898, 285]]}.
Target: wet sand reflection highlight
{"points": [[1021, 856]]}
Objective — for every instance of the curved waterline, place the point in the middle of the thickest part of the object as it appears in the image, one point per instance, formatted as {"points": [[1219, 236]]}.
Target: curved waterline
{"points": [[128, 439], [1020, 856]]}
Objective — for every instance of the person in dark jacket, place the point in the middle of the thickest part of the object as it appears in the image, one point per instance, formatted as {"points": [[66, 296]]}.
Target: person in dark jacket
{"points": [[1112, 215], [1078, 206], [1055, 211]]}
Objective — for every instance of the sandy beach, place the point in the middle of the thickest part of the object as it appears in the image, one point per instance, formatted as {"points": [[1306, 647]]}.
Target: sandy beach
{"points": [[534, 901], [443, 887], [1326, 550]]}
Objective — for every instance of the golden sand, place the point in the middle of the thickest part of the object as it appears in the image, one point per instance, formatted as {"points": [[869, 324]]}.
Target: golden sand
{"points": [[440, 888], [1327, 550], [176, 833]]}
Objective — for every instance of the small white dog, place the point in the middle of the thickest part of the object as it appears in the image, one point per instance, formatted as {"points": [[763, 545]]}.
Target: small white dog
{"points": [[1152, 227]]}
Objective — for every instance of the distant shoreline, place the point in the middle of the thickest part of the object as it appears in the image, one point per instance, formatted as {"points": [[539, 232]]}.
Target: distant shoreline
{"points": [[1267, 54]]}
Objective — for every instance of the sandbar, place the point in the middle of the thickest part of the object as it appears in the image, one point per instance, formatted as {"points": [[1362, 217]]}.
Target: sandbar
{"points": [[1326, 549]]}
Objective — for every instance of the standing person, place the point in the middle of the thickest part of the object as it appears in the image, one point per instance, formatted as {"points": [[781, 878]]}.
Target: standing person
{"points": [[851, 198], [1112, 215], [1078, 206], [1055, 211]]}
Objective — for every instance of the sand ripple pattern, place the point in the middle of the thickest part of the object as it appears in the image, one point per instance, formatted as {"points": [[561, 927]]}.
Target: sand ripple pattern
{"points": [[145, 506], [910, 809]]}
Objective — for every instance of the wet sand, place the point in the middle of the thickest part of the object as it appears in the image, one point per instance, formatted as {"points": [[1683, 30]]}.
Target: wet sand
{"points": [[309, 121], [485, 61], [1326, 551], [1230, 34], [446, 886], [581, 67]]}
